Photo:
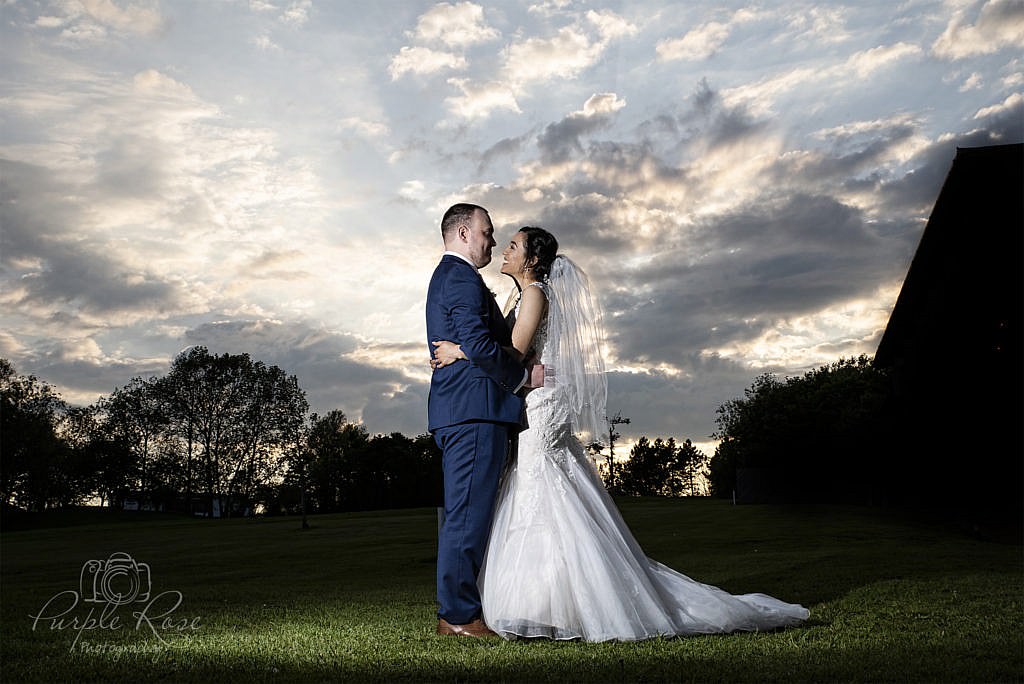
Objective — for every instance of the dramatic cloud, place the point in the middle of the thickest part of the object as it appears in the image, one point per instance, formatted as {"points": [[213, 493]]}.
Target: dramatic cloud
{"points": [[297, 12], [610, 25], [563, 56], [739, 274], [816, 25], [88, 21], [422, 60], [705, 40], [455, 25], [478, 100], [57, 268], [1011, 103], [760, 97], [528, 63], [982, 29], [566, 54], [559, 140]]}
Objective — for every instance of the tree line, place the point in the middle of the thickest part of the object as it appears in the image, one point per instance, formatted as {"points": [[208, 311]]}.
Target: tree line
{"points": [[226, 435], [219, 425]]}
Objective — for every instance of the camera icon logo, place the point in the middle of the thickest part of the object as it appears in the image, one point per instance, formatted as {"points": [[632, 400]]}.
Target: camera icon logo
{"points": [[119, 580]]}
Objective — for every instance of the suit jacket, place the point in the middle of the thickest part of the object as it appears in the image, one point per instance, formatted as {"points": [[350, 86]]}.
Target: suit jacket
{"points": [[461, 309]]}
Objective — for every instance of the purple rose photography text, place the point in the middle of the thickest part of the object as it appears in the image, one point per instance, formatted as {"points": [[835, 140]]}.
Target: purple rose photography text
{"points": [[115, 595]]}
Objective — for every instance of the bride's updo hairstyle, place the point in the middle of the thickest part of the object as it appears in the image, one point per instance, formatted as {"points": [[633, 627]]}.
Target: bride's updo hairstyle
{"points": [[541, 244]]}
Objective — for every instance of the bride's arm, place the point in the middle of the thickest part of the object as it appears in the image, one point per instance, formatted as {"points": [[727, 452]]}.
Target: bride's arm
{"points": [[531, 312]]}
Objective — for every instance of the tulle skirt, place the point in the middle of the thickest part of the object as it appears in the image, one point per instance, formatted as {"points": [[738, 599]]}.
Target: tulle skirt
{"points": [[562, 564]]}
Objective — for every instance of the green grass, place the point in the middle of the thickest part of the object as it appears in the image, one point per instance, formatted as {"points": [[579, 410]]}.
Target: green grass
{"points": [[892, 599]]}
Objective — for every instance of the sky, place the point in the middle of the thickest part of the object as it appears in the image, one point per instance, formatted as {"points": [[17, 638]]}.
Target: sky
{"points": [[744, 183]]}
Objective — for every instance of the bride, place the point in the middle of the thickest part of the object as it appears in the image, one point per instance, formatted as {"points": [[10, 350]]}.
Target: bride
{"points": [[561, 562]]}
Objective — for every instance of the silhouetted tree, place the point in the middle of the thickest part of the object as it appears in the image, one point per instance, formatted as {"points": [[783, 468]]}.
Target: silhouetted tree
{"points": [[183, 387], [722, 468], [335, 446], [233, 420], [404, 472], [136, 417], [662, 468], [348, 470], [754, 421], [274, 411], [609, 471], [648, 467], [222, 425], [220, 404], [99, 464], [32, 451], [692, 469], [808, 438]]}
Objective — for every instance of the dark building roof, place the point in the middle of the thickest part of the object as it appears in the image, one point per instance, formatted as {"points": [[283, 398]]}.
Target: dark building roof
{"points": [[963, 292], [953, 344]]}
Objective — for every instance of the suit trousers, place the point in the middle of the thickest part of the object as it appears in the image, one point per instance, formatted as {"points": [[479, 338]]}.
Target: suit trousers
{"points": [[473, 455]]}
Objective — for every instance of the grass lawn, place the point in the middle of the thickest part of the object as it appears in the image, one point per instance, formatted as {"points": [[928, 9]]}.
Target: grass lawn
{"points": [[892, 598]]}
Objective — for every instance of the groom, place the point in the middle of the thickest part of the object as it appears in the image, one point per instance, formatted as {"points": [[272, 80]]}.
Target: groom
{"points": [[472, 410]]}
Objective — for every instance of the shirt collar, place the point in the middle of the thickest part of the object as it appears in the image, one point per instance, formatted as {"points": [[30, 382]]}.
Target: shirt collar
{"points": [[456, 254]]}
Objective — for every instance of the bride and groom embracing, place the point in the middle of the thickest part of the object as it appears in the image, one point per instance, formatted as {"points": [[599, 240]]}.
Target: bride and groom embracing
{"points": [[531, 544]]}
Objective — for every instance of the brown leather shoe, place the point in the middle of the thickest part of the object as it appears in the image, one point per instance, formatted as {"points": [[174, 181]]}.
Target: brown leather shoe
{"points": [[476, 628]]}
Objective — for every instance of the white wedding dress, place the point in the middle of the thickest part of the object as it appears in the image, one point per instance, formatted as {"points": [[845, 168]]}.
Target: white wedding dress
{"points": [[561, 562]]}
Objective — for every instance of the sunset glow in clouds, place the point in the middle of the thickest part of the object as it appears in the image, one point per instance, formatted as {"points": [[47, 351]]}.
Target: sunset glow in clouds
{"points": [[746, 184]]}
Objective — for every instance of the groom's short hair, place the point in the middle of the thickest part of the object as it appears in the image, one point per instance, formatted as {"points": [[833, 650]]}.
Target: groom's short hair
{"points": [[460, 214]]}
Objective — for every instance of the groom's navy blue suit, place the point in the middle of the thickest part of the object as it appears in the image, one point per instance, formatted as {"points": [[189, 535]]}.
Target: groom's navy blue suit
{"points": [[471, 410]]}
